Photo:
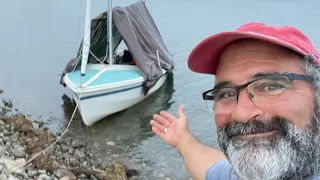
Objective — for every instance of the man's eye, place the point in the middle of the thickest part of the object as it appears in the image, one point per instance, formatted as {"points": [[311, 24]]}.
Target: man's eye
{"points": [[226, 94], [271, 87]]}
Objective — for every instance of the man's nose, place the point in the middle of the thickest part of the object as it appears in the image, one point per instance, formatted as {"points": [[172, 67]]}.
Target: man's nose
{"points": [[245, 109]]}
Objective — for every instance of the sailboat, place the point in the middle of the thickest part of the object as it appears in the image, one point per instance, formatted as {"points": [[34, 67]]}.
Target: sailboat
{"points": [[104, 79]]}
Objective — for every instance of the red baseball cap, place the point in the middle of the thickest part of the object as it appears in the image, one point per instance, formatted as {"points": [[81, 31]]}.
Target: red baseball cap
{"points": [[204, 58]]}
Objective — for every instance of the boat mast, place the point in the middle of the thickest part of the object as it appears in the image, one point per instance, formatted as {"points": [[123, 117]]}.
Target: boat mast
{"points": [[86, 39], [110, 32]]}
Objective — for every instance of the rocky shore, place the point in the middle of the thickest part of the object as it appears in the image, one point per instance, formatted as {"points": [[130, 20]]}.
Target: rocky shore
{"points": [[21, 139]]}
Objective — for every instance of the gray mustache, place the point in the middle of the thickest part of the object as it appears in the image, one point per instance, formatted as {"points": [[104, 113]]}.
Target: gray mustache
{"points": [[255, 126]]}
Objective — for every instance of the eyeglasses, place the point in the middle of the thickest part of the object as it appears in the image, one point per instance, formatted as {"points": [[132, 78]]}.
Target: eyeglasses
{"points": [[261, 91]]}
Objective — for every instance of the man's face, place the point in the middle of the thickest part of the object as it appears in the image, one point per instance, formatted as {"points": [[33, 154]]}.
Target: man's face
{"points": [[270, 139]]}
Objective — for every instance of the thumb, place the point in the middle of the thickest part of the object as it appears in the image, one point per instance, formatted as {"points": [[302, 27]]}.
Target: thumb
{"points": [[181, 113]]}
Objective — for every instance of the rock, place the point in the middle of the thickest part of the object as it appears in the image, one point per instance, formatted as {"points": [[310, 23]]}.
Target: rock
{"points": [[70, 150], [115, 156], [63, 173], [23, 175], [32, 173], [79, 154], [15, 137], [85, 163], [77, 143], [44, 177], [41, 160], [11, 177], [19, 114], [3, 150], [18, 151], [82, 176], [58, 153], [66, 155], [111, 143], [4, 110], [96, 145], [13, 165], [2, 176], [95, 162], [64, 148], [132, 172], [65, 140], [73, 161], [104, 165], [22, 140], [53, 177], [65, 178], [1, 168], [92, 177], [53, 165], [42, 171], [6, 132], [7, 103], [8, 144]]}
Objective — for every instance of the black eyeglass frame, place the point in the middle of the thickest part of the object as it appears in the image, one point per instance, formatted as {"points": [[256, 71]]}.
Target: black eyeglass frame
{"points": [[291, 77]]}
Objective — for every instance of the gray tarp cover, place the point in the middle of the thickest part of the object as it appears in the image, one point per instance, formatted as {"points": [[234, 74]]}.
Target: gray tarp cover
{"points": [[142, 37]]}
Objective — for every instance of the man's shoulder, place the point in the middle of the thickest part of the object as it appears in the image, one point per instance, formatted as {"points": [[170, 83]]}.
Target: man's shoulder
{"points": [[221, 170], [317, 177]]}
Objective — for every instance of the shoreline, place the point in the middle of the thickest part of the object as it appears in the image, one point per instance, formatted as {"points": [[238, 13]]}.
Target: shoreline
{"points": [[67, 159]]}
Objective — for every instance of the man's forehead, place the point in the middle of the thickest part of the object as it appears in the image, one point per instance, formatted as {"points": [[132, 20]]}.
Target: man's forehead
{"points": [[252, 48], [247, 57]]}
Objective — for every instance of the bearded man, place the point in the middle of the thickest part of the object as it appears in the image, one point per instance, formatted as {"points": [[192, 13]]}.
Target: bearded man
{"points": [[265, 101]]}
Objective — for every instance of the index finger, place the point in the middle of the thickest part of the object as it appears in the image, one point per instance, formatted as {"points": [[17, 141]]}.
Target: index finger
{"points": [[168, 116]]}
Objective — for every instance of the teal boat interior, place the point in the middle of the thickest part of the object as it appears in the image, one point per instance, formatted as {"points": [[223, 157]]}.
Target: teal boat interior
{"points": [[107, 77]]}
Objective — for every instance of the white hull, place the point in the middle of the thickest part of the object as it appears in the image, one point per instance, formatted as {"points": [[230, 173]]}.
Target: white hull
{"points": [[100, 101]]}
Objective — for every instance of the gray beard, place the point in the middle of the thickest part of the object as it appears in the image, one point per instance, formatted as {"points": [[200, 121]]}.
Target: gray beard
{"points": [[294, 154]]}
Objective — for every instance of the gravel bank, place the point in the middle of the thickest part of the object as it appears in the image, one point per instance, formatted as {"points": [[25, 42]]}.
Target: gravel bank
{"points": [[68, 159]]}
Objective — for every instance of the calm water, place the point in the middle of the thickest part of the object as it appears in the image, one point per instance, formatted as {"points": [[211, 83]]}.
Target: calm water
{"points": [[37, 39]]}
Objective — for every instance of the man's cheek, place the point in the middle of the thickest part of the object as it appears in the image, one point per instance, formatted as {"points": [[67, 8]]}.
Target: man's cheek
{"points": [[221, 119], [298, 116]]}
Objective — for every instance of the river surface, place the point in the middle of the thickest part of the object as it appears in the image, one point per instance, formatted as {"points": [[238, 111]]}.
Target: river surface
{"points": [[38, 38]]}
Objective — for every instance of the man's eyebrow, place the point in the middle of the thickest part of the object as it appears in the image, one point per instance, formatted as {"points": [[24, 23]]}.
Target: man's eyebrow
{"points": [[222, 84], [255, 76], [267, 74]]}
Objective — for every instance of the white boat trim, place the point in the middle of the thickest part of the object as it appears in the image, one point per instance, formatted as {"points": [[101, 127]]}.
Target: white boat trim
{"points": [[84, 90], [87, 90], [107, 93], [77, 89]]}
